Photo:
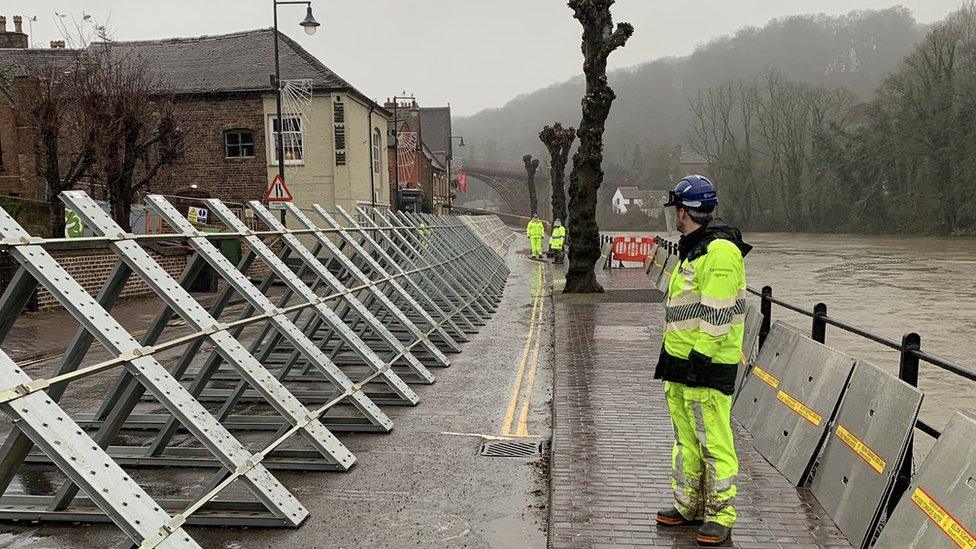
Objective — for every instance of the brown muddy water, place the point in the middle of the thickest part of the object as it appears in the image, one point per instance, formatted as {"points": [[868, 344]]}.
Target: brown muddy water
{"points": [[889, 286]]}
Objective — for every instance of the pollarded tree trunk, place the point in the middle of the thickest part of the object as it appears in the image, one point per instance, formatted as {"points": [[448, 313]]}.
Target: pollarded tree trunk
{"points": [[600, 39], [531, 166], [559, 141]]}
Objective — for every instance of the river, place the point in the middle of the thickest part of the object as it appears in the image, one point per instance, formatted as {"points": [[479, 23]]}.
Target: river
{"points": [[887, 285]]}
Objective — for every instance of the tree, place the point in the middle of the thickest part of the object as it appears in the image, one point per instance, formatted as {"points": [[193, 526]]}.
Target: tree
{"points": [[63, 135], [531, 166], [559, 141], [637, 164], [600, 39], [138, 133]]}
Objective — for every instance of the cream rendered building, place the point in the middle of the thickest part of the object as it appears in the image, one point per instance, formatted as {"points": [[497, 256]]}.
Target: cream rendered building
{"points": [[316, 170], [335, 142]]}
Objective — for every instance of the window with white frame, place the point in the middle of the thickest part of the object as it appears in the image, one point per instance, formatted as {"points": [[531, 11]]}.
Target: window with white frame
{"points": [[377, 148], [294, 146]]}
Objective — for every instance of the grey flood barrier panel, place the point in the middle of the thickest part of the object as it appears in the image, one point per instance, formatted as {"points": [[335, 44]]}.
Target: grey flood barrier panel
{"points": [[750, 338], [856, 471], [939, 509], [658, 259], [667, 267], [790, 397]]}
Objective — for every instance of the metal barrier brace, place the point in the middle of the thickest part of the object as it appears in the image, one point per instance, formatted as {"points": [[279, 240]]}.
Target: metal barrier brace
{"points": [[471, 284], [138, 359], [77, 456], [382, 304], [790, 398], [938, 510], [855, 474], [399, 294], [324, 314], [277, 316], [197, 318]]}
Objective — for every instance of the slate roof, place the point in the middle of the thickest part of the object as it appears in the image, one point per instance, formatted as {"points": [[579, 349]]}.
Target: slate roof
{"points": [[435, 127], [228, 63], [629, 193]]}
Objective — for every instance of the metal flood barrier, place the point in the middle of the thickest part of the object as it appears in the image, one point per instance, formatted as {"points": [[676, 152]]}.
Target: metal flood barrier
{"points": [[939, 509], [789, 399], [844, 429], [345, 319]]}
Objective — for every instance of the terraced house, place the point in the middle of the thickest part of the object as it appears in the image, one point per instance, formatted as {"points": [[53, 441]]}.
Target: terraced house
{"points": [[335, 136]]}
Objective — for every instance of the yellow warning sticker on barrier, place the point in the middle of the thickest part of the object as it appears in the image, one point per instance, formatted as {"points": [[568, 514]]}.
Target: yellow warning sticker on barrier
{"points": [[946, 522], [769, 378], [866, 453], [800, 408]]}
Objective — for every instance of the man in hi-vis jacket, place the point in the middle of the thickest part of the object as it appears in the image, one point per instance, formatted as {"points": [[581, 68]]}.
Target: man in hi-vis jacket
{"points": [[704, 324]]}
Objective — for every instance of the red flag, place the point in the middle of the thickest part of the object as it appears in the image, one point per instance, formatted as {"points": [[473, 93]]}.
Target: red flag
{"points": [[463, 182]]}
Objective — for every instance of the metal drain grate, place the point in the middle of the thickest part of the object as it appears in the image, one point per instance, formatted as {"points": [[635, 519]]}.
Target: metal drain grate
{"points": [[511, 448]]}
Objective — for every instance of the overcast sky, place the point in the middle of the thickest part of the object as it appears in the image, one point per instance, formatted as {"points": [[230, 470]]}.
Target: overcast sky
{"points": [[473, 54]]}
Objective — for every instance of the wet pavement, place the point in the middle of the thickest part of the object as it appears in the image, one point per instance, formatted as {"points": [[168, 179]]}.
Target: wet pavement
{"points": [[611, 451]]}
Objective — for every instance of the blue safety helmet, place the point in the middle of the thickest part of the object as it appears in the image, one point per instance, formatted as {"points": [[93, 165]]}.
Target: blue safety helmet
{"points": [[695, 192]]}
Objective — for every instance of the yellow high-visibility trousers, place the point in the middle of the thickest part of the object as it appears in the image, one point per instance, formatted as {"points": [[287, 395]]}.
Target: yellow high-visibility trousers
{"points": [[536, 242], [703, 460]]}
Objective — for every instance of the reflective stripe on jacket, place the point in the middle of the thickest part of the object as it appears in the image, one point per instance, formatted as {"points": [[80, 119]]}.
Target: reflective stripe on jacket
{"points": [[705, 307]]}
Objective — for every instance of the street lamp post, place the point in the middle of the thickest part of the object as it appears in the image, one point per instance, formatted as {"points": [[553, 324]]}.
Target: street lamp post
{"points": [[310, 25], [450, 164]]}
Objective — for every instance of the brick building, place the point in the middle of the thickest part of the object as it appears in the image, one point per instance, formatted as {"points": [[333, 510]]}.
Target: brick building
{"points": [[226, 107], [424, 158]]}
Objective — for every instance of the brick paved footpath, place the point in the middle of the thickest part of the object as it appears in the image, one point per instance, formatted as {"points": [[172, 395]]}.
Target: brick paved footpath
{"points": [[611, 449]]}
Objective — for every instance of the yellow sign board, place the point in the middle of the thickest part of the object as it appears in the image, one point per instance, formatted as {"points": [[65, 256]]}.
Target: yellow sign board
{"points": [[769, 378], [866, 453], [800, 408], [958, 533]]}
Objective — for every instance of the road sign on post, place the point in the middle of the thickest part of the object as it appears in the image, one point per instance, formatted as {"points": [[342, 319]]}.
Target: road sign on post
{"points": [[277, 194]]}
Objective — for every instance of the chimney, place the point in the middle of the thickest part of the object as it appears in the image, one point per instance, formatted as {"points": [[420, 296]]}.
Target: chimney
{"points": [[57, 44], [16, 39]]}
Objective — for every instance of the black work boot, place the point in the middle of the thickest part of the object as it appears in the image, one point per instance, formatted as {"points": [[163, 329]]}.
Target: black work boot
{"points": [[672, 517], [713, 533]]}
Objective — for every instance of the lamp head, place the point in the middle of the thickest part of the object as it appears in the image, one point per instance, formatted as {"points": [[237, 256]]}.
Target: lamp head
{"points": [[309, 23]]}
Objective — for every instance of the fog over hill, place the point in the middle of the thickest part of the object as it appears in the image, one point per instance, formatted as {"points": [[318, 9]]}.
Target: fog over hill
{"points": [[854, 51]]}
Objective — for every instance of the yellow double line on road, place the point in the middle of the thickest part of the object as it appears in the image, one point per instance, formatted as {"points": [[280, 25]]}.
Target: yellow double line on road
{"points": [[527, 367]]}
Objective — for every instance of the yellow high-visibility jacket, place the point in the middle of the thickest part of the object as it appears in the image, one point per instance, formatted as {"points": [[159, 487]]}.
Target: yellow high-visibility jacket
{"points": [[558, 238], [535, 228], [705, 308]]}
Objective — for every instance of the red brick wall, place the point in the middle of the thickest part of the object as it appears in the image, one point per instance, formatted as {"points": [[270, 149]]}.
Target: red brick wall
{"points": [[91, 267], [17, 173], [204, 120]]}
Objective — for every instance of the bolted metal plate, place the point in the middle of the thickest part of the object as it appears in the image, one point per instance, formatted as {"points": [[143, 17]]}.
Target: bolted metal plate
{"points": [[939, 509], [84, 462], [862, 455], [790, 397], [750, 339], [511, 448]]}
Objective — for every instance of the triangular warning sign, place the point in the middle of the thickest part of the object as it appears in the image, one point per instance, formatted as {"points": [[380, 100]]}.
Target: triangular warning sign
{"points": [[277, 191]]}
